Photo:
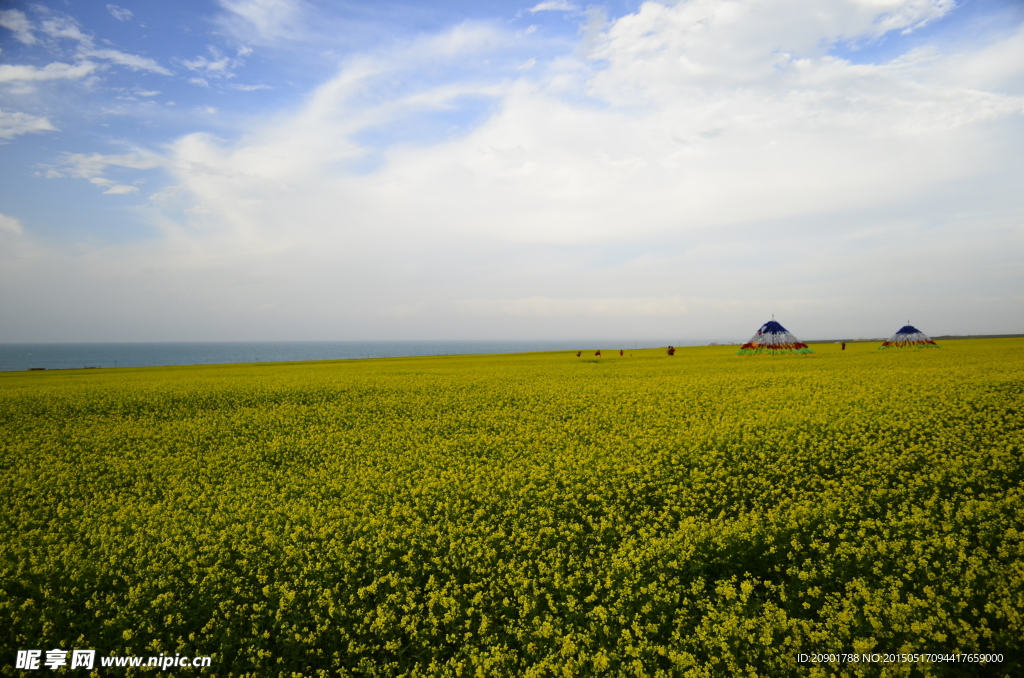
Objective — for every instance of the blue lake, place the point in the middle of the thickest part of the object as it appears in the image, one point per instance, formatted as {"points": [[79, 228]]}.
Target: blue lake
{"points": [[76, 356]]}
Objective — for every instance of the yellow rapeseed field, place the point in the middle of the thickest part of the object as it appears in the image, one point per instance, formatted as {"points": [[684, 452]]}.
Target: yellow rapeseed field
{"points": [[704, 514]]}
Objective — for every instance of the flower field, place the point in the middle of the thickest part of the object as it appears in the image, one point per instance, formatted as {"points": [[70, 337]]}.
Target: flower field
{"points": [[704, 514]]}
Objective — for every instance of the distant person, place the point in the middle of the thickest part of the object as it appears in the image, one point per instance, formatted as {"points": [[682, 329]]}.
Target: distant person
{"points": [[671, 350], [597, 353], [578, 353], [620, 352], [844, 346]]}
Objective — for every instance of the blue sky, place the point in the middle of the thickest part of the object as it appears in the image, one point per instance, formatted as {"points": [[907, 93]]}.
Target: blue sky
{"points": [[276, 169]]}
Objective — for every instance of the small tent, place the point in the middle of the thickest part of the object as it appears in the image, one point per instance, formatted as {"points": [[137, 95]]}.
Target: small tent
{"points": [[909, 336], [773, 339]]}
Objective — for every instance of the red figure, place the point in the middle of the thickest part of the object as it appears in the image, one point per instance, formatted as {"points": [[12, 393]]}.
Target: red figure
{"points": [[671, 351], [844, 346], [578, 353], [597, 353], [620, 351]]}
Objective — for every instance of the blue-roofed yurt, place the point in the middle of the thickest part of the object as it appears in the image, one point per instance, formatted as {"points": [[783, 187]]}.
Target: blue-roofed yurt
{"points": [[773, 339], [909, 336]]}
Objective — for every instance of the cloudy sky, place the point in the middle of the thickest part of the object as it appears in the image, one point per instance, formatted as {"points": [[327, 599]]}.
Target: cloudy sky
{"points": [[294, 169]]}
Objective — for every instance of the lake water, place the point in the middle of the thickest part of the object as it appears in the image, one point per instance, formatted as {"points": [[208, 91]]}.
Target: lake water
{"points": [[76, 356]]}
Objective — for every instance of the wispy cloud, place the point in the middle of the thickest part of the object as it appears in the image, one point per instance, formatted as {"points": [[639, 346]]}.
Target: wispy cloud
{"points": [[15, 124], [120, 13], [554, 6], [909, 16], [262, 20], [132, 61], [59, 27], [52, 29], [93, 168], [89, 165], [65, 28], [10, 225], [121, 189], [215, 66], [16, 21], [54, 71]]}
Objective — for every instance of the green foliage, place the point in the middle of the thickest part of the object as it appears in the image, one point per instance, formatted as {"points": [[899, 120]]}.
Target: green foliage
{"points": [[525, 515]]}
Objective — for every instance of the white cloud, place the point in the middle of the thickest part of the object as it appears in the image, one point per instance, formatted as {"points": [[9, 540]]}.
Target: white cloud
{"points": [[713, 164], [555, 6], [996, 67], [597, 18], [262, 20], [89, 165], [250, 88], [120, 13], [16, 21], [10, 225], [54, 71], [14, 124], [216, 66], [93, 168], [714, 44], [132, 61], [906, 16], [121, 189], [703, 125], [219, 63], [66, 28], [460, 41], [560, 172]]}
